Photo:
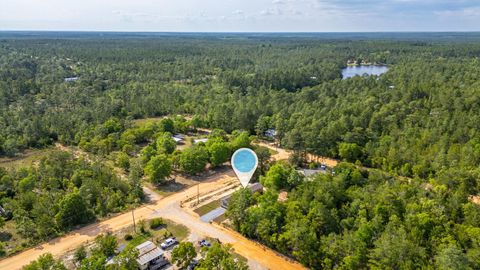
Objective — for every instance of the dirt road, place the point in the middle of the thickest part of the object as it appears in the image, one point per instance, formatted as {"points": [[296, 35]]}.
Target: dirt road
{"points": [[168, 207], [283, 154]]}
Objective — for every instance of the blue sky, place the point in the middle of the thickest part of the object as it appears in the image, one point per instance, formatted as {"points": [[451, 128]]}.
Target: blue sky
{"points": [[241, 15]]}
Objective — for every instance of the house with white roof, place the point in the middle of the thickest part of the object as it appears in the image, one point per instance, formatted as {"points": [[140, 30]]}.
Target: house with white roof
{"points": [[201, 140], [150, 257]]}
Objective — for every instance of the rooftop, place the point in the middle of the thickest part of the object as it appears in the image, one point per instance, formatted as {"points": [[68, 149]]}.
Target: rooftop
{"points": [[311, 172], [177, 140], [204, 140], [147, 252]]}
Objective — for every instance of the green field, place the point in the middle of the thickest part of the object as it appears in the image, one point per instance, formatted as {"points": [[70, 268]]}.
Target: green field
{"points": [[144, 121]]}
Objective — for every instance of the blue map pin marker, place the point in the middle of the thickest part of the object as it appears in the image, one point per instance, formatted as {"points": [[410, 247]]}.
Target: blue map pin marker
{"points": [[244, 162]]}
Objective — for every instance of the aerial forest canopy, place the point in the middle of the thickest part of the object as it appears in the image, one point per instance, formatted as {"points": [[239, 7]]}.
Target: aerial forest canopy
{"points": [[419, 119], [419, 122]]}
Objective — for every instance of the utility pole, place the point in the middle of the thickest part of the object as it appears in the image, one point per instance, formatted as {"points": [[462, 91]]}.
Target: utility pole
{"points": [[133, 217], [198, 193]]}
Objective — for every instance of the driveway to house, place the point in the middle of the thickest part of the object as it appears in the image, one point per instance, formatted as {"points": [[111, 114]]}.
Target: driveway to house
{"points": [[170, 207], [283, 154], [259, 256]]}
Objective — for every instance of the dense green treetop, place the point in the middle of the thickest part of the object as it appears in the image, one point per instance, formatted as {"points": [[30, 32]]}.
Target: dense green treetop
{"points": [[363, 219], [418, 123], [62, 192]]}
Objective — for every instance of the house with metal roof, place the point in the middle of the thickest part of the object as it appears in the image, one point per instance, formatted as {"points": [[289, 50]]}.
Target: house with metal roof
{"points": [[200, 140], [311, 172], [271, 133], [178, 138], [150, 257]]}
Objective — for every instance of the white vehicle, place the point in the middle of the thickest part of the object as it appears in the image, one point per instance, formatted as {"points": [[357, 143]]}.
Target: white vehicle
{"points": [[168, 243]]}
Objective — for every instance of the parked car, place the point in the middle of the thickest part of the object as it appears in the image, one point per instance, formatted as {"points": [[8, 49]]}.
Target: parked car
{"points": [[204, 243], [168, 243]]}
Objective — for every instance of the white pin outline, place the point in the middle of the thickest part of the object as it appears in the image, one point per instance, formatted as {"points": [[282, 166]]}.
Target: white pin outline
{"points": [[244, 177]]}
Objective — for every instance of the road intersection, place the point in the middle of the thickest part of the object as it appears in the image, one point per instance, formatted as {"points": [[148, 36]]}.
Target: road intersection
{"points": [[170, 207]]}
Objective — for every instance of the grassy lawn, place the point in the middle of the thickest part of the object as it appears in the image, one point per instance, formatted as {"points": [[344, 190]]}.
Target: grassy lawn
{"points": [[138, 239], [141, 122], [155, 235], [272, 152], [25, 159], [202, 210], [166, 189], [179, 231], [220, 219]]}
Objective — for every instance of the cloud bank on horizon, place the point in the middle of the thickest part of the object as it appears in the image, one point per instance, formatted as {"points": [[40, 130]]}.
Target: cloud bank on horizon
{"points": [[241, 15]]}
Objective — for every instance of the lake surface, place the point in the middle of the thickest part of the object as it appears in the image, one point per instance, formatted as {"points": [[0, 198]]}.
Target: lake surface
{"points": [[350, 72]]}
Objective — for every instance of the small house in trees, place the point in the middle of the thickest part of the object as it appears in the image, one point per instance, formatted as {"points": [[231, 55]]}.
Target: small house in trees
{"points": [[201, 140], [150, 257], [313, 172], [271, 133], [71, 79], [178, 138]]}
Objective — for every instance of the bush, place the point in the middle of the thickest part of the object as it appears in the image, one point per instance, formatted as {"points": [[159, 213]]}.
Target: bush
{"points": [[128, 237], [123, 161], [142, 227], [167, 234], [158, 168], [106, 244], [156, 222], [2, 250], [80, 254], [193, 160]]}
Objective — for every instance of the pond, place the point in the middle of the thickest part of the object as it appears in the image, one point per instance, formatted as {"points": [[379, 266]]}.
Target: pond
{"points": [[353, 71]]}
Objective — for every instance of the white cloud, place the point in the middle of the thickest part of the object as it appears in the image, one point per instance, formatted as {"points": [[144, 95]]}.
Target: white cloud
{"points": [[241, 15], [271, 12], [465, 12]]}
